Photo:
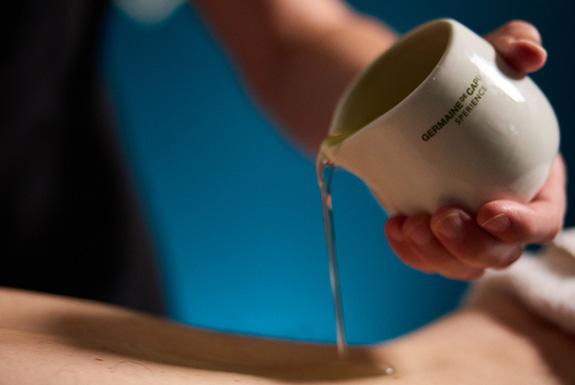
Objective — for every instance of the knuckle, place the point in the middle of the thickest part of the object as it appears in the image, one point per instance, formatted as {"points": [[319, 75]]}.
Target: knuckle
{"points": [[518, 23], [522, 27], [417, 264], [489, 210], [509, 259], [452, 265], [443, 211], [447, 263], [515, 236], [413, 222], [464, 275], [436, 216], [525, 229], [421, 262], [474, 259], [489, 259], [536, 231], [486, 257]]}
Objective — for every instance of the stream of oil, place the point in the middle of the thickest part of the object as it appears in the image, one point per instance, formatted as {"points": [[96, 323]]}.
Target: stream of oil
{"points": [[325, 170], [324, 177]]}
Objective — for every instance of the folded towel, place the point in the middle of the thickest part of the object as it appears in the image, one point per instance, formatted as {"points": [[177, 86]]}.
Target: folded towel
{"points": [[544, 282]]}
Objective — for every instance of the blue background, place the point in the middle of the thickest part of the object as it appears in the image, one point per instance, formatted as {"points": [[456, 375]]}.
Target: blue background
{"points": [[235, 209]]}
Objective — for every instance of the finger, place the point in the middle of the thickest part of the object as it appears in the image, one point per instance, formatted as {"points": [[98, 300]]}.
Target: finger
{"points": [[465, 240], [519, 43], [432, 253], [538, 221], [399, 244], [523, 55], [517, 29]]}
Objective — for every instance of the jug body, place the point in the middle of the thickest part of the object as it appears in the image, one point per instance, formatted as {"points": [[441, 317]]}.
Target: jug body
{"points": [[440, 119]]}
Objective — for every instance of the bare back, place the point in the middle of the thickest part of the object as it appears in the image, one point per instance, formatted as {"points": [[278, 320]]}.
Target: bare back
{"points": [[53, 340]]}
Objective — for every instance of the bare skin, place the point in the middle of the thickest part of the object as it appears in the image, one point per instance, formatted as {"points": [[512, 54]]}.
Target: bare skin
{"points": [[297, 56], [54, 340]]}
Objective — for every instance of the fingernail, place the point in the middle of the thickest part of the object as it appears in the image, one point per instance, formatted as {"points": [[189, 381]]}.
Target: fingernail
{"points": [[421, 235], [451, 225], [497, 224]]}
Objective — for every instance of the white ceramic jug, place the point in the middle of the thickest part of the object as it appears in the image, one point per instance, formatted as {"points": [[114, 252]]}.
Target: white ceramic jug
{"points": [[440, 119]]}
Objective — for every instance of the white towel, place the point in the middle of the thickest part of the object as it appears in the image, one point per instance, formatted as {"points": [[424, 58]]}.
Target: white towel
{"points": [[544, 282]]}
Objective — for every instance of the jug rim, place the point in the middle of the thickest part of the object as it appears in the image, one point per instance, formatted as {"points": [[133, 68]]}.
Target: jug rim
{"points": [[451, 25]]}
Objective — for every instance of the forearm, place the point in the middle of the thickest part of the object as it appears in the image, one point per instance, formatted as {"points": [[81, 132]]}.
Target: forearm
{"points": [[297, 56]]}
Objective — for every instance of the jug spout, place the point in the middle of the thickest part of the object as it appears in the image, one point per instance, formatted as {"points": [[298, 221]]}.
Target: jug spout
{"points": [[344, 153], [357, 155], [327, 152]]}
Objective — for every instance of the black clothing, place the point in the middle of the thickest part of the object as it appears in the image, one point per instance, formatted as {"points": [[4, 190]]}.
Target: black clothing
{"points": [[69, 224]]}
